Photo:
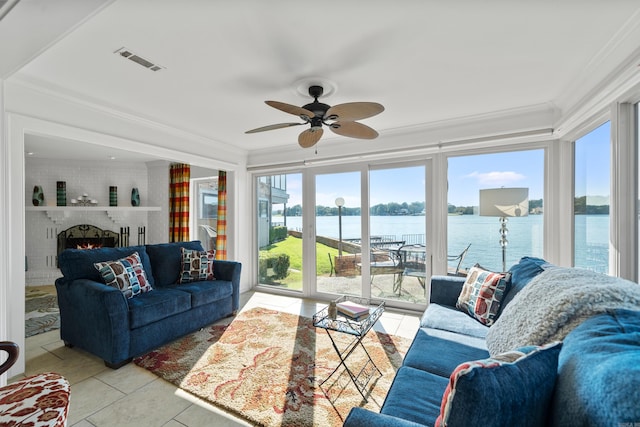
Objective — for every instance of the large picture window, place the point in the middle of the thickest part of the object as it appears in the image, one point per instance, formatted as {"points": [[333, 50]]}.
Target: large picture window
{"points": [[467, 226], [591, 199]]}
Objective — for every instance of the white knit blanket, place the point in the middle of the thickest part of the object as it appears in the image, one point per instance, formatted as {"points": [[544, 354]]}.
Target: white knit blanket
{"points": [[554, 303]]}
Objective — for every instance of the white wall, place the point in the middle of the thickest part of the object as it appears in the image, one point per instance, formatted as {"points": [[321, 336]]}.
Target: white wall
{"points": [[93, 178], [158, 188]]}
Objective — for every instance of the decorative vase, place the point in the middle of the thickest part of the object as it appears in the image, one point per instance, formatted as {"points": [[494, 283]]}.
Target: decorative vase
{"points": [[332, 311], [38, 196], [113, 195], [61, 193], [135, 197]]}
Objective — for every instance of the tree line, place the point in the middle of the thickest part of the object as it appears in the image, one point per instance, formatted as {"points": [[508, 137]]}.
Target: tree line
{"points": [[417, 208], [381, 209]]}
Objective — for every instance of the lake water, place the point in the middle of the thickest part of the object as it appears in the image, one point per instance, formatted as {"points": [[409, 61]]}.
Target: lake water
{"points": [[525, 236]]}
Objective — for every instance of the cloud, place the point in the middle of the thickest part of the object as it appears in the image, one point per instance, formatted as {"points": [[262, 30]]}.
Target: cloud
{"points": [[496, 178]]}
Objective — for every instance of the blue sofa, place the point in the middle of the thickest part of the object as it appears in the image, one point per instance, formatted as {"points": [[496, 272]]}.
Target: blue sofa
{"points": [[594, 378], [101, 320]]}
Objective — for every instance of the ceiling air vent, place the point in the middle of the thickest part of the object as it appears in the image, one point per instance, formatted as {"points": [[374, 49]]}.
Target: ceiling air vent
{"points": [[131, 56]]}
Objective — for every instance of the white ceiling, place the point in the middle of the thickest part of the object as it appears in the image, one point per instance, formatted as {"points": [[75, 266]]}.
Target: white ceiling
{"points": [[425, 61]]}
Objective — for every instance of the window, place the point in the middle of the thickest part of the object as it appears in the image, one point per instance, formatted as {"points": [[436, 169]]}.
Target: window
{"points": [[591, 199], [467, 175], [205, 210], [279, 209]]}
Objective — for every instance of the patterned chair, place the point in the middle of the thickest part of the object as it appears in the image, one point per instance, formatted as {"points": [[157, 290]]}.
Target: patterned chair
{"points": [[38, 400]]}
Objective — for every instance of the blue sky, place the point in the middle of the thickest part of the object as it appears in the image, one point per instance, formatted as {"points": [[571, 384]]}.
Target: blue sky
{"points": [[467, 175]]}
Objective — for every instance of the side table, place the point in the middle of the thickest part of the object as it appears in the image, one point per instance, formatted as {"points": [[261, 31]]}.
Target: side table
{"points": [[358, 329]]}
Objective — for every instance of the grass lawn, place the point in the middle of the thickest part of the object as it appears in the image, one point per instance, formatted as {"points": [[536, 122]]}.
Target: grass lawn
{"points": [[292, 246]]}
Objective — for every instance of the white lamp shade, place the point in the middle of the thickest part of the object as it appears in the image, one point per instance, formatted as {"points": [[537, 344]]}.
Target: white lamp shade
{"points": [[504, 202]]}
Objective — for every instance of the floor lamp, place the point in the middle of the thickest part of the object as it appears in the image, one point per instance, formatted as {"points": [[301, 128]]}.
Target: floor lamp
{"points": [[503, 203]]}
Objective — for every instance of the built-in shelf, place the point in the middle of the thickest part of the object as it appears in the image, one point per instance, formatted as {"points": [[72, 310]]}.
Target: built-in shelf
{"points": [[57, 214]]}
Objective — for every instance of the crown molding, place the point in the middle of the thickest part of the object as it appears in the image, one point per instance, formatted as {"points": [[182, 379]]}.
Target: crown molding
{"points": [[523, 124], [597, 85], [594, 106]]}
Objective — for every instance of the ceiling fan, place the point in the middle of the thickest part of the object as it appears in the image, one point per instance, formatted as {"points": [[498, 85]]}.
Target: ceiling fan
{"points": [[341, 118]]}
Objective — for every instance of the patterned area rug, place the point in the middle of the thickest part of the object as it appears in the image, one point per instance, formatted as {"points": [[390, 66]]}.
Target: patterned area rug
{"points": [[266, 366], [41, 307]]}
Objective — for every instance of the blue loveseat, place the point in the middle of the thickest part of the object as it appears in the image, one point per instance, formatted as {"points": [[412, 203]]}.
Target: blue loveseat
{"points": [[103, 321], [593, 379]]}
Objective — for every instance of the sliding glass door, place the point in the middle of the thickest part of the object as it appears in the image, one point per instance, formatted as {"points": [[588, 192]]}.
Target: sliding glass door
{"points": [[399, 264], [279, 230], [338, 234], [363, 234]]}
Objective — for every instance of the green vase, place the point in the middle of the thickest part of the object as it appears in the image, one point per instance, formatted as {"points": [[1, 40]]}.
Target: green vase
{"points": [[113, 195], [61, 193], [135, 197], [38, 196]]}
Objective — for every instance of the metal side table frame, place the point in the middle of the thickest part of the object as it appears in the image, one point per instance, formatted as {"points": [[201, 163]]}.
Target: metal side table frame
{"points": [[358, 329]]}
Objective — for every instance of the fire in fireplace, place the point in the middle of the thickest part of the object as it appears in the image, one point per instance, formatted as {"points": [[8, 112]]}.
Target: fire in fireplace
{"points": [[86, 236]]}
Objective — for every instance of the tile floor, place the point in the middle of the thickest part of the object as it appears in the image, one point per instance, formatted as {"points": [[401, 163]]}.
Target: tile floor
{"points": [[132, 396]]}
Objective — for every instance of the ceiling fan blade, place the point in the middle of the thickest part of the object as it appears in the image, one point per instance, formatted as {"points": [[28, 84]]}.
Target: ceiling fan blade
{"points": [[353, 130], [272, 127], [352, 111], [291, 109], [310, 137]]}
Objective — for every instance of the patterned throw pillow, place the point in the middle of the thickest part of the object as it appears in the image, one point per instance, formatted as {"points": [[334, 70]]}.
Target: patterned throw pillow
{"points": [[511, 389], [196, 266], [126, 274], [481, 295]]}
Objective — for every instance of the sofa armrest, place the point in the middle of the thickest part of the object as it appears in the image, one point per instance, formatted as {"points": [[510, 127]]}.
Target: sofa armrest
{"points": [[359, 417], [230, 271], [446, 289], [94, 317]]}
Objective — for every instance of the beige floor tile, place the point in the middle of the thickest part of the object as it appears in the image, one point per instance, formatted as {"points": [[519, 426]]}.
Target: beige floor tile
{"points": [[386, 324], [90, 396], [75, 367], [173, 423], [152, 405], [127, 379], [203, 414], [83, 423], [409, 325]]}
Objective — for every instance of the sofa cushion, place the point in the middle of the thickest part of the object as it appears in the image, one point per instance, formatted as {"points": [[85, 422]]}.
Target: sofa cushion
{"points": [[426, 353], [166, 260], [196, 266], [157, 305], [438, 316], [125, 274], [415, 395], [206, 292], [482, 294], [598, 372], [511, 389], [78, 263], [521, 274]]}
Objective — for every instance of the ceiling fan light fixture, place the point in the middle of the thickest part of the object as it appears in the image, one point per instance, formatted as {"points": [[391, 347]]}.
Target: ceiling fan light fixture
{"points": [[316, 114]]}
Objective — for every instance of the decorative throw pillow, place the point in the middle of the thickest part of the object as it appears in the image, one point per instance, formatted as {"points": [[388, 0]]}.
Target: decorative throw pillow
{"points": [[196, 265], [126, 274], [481, 295], [511, 389]]}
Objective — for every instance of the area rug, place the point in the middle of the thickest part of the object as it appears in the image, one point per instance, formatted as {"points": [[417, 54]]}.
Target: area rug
{"points": [[41, 310], [266, 367]]}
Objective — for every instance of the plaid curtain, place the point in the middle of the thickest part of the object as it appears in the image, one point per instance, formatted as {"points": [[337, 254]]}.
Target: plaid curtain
{"points": [[221, 240], [179, 174]]}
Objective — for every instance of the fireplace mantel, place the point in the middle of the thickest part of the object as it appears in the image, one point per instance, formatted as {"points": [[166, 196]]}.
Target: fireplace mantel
{"points": [[58, 214]]}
